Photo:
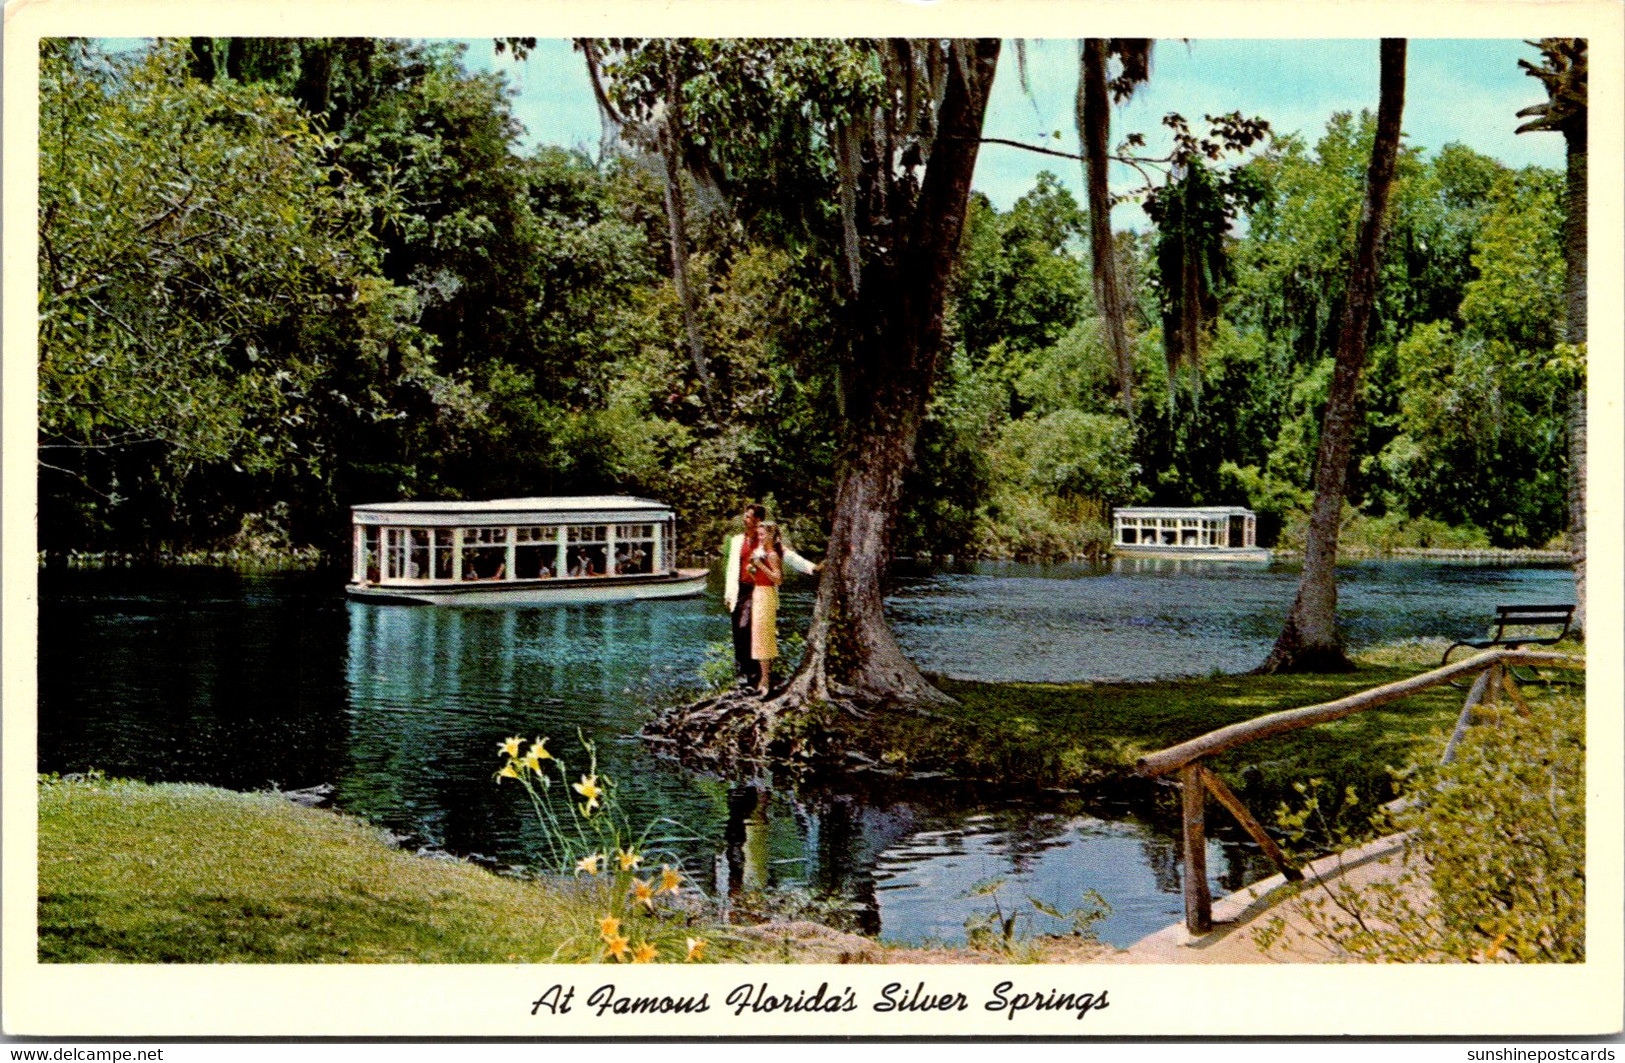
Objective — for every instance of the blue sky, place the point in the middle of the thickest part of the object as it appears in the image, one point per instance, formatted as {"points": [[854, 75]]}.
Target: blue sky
{"points": [[1465, 91]]}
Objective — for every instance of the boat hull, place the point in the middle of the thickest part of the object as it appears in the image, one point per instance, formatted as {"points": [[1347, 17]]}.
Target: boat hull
{"points": [[1195, 553], [685, 583]]}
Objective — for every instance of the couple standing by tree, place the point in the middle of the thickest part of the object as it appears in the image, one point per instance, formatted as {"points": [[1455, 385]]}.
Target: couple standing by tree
{"points": [[756, 560]]}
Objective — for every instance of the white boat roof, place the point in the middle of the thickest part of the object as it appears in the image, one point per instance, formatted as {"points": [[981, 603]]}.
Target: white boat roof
{"points": [[586, 509], [1182, 511]]}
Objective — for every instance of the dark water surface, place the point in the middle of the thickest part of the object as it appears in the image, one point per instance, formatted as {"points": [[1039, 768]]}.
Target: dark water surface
{"points": [[252, 681]]}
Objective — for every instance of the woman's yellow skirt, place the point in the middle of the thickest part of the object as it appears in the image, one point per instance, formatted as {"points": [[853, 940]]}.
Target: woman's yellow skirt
{"points": [[764, 623]]}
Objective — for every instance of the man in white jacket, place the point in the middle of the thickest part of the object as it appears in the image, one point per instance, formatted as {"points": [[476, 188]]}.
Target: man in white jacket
{"points": [[737, 590]]}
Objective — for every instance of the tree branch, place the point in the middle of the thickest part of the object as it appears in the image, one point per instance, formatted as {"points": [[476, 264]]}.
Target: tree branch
{"points": [[1032, 147]]}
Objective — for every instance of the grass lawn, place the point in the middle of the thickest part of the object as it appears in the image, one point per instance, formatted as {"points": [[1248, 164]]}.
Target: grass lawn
{"points": [[191, 874], [1069, 735]]}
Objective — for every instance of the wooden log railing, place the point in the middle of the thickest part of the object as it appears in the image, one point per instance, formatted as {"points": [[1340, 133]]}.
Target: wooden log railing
{"points": [[1197, 780]]}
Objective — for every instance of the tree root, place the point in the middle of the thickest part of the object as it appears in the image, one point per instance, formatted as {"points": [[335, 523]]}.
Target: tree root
{"points": [[738, 732]]}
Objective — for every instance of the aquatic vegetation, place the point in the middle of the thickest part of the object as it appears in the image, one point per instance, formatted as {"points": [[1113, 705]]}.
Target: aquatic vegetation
{"points": [[1013, 931]]}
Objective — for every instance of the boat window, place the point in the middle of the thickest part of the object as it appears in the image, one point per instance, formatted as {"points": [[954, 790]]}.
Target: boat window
{"points": [[485, 553], [536, 552], [444, 549], [634, 549], [394, 553], [586, 554], [369, 553], [417, 555]]}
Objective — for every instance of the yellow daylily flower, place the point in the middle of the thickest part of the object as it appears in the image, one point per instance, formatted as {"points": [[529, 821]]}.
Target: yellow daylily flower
{"points": [[616, 946], [506, 772], [696, 948], [644, 953], [588, 788], [538, 752], [670, 879], [608, 927], [510, 748], [643, 893], [629, 860], [589, 864]]}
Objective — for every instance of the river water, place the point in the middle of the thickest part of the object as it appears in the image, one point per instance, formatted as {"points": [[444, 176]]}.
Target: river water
{"points": [[198, 675]]}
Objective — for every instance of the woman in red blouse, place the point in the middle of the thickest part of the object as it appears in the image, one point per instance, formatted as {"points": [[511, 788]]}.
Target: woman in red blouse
{"points": [[765, 572]]}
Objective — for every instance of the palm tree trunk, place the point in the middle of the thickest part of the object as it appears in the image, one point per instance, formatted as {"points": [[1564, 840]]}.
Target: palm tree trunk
{"points": [[1566, 109], [1574, 255], [1310, 641], [1094, 130]]}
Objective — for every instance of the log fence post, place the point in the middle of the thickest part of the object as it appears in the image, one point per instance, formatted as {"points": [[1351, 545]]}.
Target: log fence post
{"points": [[1193, 801], [1474, 697]]}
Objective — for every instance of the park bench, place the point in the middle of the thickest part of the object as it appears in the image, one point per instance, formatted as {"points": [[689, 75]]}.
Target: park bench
{"points": [[1521, 625]]}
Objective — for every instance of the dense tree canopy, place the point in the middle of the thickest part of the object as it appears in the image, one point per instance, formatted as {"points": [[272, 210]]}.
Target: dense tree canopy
{"points": [[279, 277]]}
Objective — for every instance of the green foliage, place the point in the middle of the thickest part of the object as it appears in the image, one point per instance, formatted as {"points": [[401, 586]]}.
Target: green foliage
{"points": [[716, 672], [196, 255], [1068, 453], [1325, 817], [1019, 524], [1480, 436], [1395, 530], [1495, 872], [1021, 282], [1272, 497], [996, 930], [319, 271]]}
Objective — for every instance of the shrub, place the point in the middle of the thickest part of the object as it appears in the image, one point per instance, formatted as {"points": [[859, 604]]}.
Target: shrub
{"points": [[1496, 869], [1391, 531]]}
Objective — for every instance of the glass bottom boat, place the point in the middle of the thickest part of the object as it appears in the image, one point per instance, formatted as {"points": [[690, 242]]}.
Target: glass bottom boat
{"points": [[1215, 533], [518, 551]]}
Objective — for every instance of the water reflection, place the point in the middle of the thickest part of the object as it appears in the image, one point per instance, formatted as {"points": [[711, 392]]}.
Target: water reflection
{"points": [[432, 692]]}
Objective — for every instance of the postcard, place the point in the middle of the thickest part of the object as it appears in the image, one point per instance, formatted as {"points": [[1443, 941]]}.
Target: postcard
{"points": [[968, 520]]}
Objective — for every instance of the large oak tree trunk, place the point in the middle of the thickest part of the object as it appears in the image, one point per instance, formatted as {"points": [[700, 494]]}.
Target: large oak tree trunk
{"points": [[1309, 641], [852, 654]]}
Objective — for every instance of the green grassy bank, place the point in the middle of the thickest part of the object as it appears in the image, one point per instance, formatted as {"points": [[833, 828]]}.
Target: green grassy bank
{"points": [[1075, 735], [141, 873]]}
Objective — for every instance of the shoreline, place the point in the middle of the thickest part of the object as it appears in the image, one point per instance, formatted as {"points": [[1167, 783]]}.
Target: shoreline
{"points": [[310, 557]]}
